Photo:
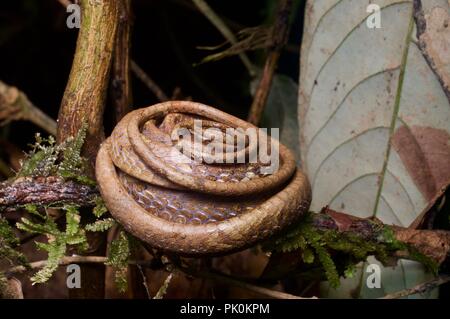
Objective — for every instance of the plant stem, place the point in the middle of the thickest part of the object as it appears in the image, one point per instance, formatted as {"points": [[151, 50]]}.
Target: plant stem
{"points": [[209, 13], [84, 97], [419, 289], [207, 275], [148, 81], [120, 78], [84, 101], [36, 116], [15, 105]]}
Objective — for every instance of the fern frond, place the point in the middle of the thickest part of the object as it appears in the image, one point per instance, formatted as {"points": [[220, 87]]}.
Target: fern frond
{"points": [[118, 256], [101, 225]]}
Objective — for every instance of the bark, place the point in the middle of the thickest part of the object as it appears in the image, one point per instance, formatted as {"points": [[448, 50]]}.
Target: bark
{"points": [[434, 244], [84, 100], [84, 97], [44, 191], [120, 78]]}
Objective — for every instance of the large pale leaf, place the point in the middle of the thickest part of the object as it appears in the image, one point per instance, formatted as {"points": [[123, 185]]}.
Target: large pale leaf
{"points": [[281, 111], [375, 113]]}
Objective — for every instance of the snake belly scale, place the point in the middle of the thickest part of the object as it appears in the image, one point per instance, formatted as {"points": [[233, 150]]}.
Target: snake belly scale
{"points": [[191, 207]]}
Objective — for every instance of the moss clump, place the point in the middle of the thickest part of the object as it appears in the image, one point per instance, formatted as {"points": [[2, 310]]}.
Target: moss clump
{"points": [[65, 161], [46, 158]]}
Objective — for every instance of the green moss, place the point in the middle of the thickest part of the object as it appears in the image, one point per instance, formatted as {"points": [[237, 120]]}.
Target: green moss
{"points": [[56, 250], [8, 244], [118, 256], [58, 240], [100, 207], [40, 161], [101, 225], [318, 246], [350, 271], [312, 244], [63, 160]]}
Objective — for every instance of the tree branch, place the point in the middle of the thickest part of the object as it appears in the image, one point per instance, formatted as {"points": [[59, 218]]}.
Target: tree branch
{"points": [[45, 191], [434, 244], [419, 289], [118, 69], [84, 101], [15, 105], [201, 274], [84, 97]]}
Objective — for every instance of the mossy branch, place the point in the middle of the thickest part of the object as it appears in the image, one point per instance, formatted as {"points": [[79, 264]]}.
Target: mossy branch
{"points": [[336, 242], [84, 101]]}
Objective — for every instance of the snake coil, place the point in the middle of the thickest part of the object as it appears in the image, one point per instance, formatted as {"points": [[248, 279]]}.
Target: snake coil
{"points": [[168, 198]]}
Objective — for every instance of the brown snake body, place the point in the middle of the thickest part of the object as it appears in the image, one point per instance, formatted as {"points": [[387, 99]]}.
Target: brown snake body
{"points": [[177, 203]]}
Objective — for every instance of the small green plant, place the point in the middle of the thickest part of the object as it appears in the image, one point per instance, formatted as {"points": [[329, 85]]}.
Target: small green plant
{"points": [[47, 158], [65, 161], [118, 256]]}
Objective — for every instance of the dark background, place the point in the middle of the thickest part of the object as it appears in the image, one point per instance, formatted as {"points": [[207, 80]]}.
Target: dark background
{"points": [[37, 48]]}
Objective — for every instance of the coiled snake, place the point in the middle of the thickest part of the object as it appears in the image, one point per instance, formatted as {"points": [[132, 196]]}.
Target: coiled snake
{"points": [[167, 197]]}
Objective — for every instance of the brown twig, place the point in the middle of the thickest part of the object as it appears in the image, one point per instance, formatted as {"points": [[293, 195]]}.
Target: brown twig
{"points": [[163, 289], [64, 261], [280, 34], [15, 105], [45, 191], [435, 244], [209, 13], [144, 281], [189, 5], [148, 81], [120, 74], [218, 277], [65, 2], [419, 289], [207, 275]]}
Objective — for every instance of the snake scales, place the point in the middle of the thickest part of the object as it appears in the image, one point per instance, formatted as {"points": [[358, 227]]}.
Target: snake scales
{"points": [[189, 206]]}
